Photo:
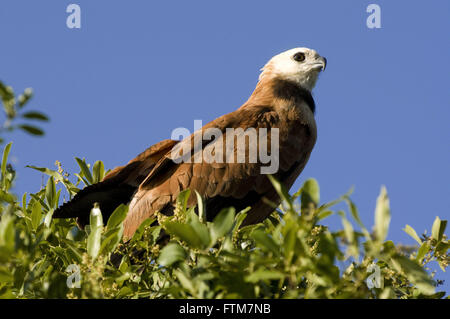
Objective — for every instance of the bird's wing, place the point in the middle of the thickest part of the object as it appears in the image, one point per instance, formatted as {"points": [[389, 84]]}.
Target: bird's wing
{"points": [[117, 187], [235, 183]]}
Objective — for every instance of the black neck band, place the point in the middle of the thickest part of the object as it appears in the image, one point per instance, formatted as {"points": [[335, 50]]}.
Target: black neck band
{"points": [[289, 90]]}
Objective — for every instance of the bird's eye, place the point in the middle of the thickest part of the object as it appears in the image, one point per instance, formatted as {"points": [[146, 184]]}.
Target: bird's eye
{"points": [[299, 57]]}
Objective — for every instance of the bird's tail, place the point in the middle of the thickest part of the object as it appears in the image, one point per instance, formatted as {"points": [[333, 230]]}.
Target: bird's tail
{"points": [[108, 195], [117, 187]]}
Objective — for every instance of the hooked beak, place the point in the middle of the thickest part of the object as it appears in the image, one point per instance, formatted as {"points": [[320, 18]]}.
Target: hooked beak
{"points": [[321, 63], [324, 63]]}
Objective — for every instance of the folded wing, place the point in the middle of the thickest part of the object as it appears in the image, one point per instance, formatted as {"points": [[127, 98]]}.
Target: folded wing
{"points": [[223, 184]]}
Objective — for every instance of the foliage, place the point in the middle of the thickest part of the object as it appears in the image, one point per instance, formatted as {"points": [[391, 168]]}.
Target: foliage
{"points": [[13, 108], [292, 254]]}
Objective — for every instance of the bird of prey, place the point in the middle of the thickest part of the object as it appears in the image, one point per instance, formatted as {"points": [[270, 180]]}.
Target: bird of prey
{"points": [[150, 182]]}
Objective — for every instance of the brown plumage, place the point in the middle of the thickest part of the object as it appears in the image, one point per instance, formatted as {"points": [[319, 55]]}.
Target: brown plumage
{"points": [[152, 181]]}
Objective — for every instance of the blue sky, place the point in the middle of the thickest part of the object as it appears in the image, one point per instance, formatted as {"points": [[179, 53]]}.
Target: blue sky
{"points": [[138, 69]]}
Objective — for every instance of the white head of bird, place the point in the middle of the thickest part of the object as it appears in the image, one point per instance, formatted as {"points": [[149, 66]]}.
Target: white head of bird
{"points": [[299, 65]]}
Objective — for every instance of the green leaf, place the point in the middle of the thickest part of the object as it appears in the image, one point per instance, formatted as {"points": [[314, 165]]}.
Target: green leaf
{"points": [[185, 281], [6, 151], [7, 197], [34, 115], [56, 175], [239, 219], [123, 267], [442, 247], [222, 223], [263, 239], [48, 217], [354, 211], [282, 192], [95, 236], [415, 273], [171, 254], [84, 170], [349, 235], [262, 274], [96, 217], [38, 199], [98, 171], [124, 292], [24, 201], [73, 251], [50, 192], [182, 199], [387, 293], [382, 215], [290, 240], [200, 229], [411, 232], [6, 276], [7, 233], [324, 214], [117, 217], [438, 228], [6, 92], [36, 215], [140, 231], [200, 207], [112, 239], [310, 194], [423, 250], [185, 232], [348, 227], [81, 178], [33, 130]]}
